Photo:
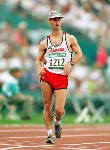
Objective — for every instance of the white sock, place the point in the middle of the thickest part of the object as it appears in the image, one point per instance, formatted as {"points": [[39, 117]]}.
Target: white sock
{"points": [[49, 131], [56, 121]]}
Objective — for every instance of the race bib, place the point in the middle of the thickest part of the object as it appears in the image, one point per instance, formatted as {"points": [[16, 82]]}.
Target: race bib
{"points": [[57, 60]]}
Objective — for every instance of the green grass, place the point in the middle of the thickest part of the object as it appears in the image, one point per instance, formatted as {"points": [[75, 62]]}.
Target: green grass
{"points": [[37, 119]]}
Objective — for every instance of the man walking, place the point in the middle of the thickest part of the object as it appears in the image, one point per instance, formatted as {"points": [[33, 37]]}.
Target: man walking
{"points": [[57, 51]]}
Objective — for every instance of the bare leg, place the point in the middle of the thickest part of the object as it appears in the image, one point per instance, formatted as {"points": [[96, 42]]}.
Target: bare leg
{"points": [[47, 96], [60, 99]]}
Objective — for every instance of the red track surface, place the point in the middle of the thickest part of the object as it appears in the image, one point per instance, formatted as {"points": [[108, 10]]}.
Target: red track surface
{"points": [[74, 137]]}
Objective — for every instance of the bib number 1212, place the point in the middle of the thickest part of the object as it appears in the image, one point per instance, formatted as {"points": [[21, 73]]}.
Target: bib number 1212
{"points": [[57, 62]]}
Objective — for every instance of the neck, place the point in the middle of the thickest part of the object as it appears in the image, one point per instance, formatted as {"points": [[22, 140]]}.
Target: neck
{"points": [[56, 33]]}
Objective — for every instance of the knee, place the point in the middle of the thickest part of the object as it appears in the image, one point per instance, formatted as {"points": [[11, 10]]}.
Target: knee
{"points": [[59, 112]]}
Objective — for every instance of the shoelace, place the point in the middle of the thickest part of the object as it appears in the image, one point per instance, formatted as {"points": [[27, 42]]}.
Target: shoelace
{"points": [[59, 125]]}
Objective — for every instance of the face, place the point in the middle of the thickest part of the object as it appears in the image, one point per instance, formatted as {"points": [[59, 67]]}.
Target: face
{"points": [[17, 74], [55, 23]]}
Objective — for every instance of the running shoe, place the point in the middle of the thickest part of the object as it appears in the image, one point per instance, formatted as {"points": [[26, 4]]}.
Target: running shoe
{"points": [[58, 130], [50, 139]]}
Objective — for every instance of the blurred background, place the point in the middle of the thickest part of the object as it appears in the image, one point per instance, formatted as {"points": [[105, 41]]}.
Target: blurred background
{"points": [[24, 23]]}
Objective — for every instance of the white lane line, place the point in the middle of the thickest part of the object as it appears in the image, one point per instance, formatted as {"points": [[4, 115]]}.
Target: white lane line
{"points": [[64, 136], [23, 137], [65, 130], [52, 146], [64, 148], [69, 125], [23, 125], [88, 143], [23, 130], [4, 144], [83, 127], [86, 135], [81, 145], [17, 147]]}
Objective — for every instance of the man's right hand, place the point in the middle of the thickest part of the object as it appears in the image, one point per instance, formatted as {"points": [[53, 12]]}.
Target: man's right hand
{"points": [[41, 71]]}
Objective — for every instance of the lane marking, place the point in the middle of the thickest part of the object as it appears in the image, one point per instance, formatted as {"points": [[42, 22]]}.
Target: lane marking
{"points": [[91, 127], [65, 136], [82, 135], [52, 146], [89, 143], [74, 148], [25, 130], [23, 125], [4, 144], [65, 130], [17, 147], [64, 148]]}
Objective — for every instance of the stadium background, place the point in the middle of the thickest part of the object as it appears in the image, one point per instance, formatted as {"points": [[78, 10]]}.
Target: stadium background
{"points": [[87, 20]]}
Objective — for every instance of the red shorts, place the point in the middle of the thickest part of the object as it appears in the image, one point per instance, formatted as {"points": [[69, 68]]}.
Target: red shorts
{"points": [[56, 81]]}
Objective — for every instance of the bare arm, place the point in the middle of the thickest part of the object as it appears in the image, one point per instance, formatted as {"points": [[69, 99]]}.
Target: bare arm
{"points": [[74, 47], [40, 58]]}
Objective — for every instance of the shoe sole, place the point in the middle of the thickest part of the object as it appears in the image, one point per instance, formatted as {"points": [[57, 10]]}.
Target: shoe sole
{"points": [[50, 141], [58, 136]]}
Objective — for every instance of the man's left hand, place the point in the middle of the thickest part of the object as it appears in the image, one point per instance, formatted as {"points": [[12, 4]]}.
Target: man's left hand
{"points": [[67, 68]]}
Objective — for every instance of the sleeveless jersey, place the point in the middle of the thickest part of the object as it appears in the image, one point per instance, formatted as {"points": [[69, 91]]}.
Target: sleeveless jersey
{"points": [[57, 56]]}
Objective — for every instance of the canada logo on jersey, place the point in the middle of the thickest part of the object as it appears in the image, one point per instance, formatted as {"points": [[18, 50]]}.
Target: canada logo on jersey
{"points": [[57, 50]]}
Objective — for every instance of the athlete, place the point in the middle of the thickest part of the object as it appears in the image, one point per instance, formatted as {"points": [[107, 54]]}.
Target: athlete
{"points": [[58, 53]]}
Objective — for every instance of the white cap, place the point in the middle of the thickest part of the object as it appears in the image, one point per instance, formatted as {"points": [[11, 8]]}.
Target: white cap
{"points": [[55, 14]]}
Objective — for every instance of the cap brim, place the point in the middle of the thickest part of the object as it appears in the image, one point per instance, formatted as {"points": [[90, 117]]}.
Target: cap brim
{"points": [[55, 17]]}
